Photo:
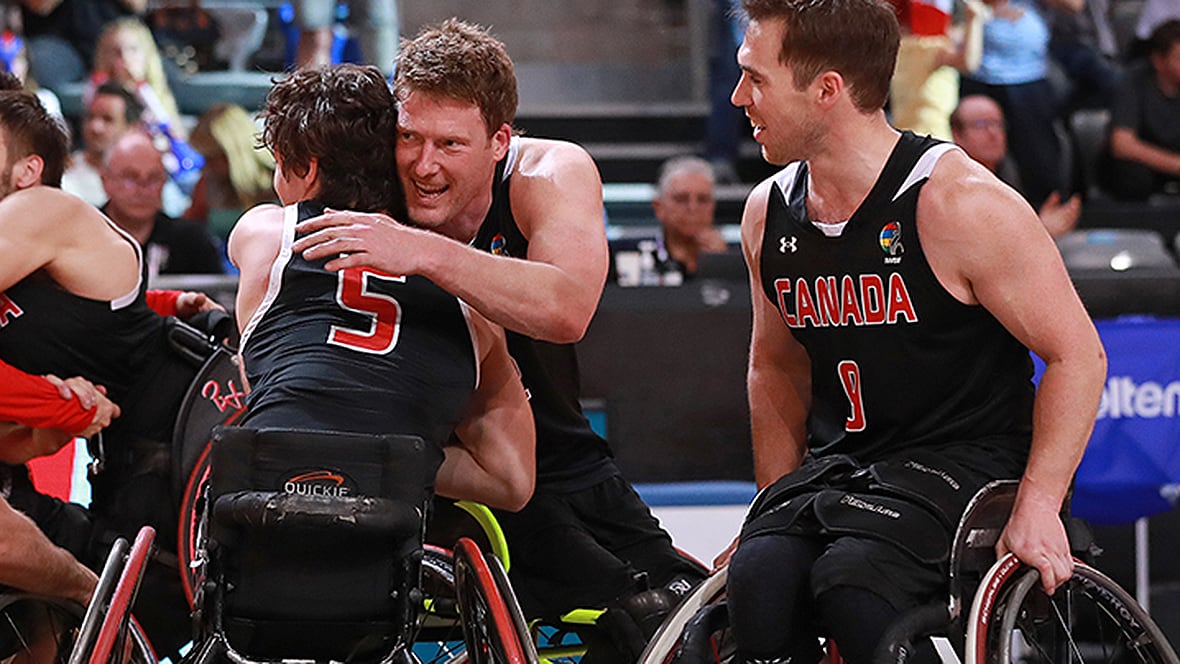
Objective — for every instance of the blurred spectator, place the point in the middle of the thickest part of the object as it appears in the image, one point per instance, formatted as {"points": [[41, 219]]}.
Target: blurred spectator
{"points": [[127, 54], [238, 173], [62, 35], [134, 178], [375, 23], [112, 111], [925, 86], [1152, 14], [978, 127], [725, 127], [685, 204], [1083, 44], [15, 58], [1145, 123], [1014, 71]]}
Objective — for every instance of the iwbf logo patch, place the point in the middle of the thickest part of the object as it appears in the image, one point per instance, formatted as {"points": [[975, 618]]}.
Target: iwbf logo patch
{"points": [[1123, 398]]}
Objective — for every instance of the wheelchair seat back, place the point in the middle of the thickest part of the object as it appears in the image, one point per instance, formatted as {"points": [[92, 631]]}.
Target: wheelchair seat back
{"points": [[314, 540]]}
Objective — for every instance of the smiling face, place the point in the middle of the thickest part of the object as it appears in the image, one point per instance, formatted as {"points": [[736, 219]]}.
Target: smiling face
{"points": [[780, 112], [446, 161]]}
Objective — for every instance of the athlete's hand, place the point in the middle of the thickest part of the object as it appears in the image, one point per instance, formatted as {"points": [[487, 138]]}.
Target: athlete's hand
{"points": [[91, 397], [722, 558], [354, 239], [191, 303], [1037, 537]]}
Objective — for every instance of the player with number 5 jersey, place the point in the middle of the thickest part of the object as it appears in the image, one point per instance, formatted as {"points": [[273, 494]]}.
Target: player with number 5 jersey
{"points": [[358, 350]]}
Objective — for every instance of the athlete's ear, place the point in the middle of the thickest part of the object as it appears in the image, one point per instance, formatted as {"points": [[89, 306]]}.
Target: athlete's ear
{"points": [[501, 140], [26, 172], [829, 85]]}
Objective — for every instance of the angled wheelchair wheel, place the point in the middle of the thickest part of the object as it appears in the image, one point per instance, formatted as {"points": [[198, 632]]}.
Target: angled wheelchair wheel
{"points": [[37, 629], [108, 633], [491, 631], [1088, 619], [697, 630]]}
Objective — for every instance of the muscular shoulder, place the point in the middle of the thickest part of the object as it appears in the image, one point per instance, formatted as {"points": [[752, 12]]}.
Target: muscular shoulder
{"points": [[754, 216], [968, 220], [256, 237], [556, 181], [48, 211]]}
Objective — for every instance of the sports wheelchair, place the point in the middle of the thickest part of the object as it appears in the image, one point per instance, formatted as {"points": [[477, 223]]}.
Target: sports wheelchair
{"points": [[309, 548], [996, 611]]}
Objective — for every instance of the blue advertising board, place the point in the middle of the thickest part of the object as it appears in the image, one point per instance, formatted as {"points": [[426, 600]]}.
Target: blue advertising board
{"points": [[1131, 468]]}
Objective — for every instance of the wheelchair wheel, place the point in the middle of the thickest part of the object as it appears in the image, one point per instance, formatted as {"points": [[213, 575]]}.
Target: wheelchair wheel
{"points": [[108, 632], [1088, 619], [490, 630], [709, 634], [439, 639], [37, 629]]}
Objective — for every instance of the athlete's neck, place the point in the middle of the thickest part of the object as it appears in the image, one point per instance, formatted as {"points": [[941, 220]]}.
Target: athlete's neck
{"points": [[840, 180]]}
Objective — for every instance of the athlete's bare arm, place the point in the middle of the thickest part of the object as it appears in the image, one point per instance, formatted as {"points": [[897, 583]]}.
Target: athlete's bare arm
{"points": [[779, 374], [253, 247], [495, 464], [986, 246], [556, 198], [45, 228], [30, 562]]}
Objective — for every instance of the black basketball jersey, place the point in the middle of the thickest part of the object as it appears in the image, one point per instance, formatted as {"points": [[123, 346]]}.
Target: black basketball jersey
{"points": [[120, 344], [896, 361], [569, 453], [357, 350]]}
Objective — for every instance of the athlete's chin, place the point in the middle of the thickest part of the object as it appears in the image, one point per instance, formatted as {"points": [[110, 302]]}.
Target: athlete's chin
{"points": [[426, 216]]}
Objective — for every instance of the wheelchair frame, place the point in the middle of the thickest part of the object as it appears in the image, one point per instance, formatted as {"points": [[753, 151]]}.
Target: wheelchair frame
{"points": [[1007, 606]]}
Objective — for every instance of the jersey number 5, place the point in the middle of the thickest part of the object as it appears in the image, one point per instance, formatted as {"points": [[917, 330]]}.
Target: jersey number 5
{"points": [[382, 310], [850, 378]]}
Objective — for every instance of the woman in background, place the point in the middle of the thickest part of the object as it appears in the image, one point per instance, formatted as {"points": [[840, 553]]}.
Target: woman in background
{"points": [[237, 175]]}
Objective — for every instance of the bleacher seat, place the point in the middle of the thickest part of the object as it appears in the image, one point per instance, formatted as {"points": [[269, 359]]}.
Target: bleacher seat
{"points": [[1117, 249]]}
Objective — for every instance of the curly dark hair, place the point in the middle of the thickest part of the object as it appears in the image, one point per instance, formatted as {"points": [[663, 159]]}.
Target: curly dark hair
{"points": [[460, 61], [345, 118], [29, 129], [857, 38]]}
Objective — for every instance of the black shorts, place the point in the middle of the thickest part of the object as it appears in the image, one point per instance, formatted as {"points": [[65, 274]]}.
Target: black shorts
{"points": [[888, 526], [586, 548]]}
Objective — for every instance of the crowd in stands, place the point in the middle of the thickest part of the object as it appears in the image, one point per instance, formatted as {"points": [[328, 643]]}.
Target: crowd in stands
{"points": [[1041, 62]]}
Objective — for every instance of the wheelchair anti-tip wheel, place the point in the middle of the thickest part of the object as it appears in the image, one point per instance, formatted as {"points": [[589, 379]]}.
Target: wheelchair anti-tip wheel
{"points": [[1089, 618], [491, 623]]}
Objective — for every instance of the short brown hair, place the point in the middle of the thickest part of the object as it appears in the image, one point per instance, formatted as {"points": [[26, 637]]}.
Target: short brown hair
{"points": [[345, 118], [460, 61], [30, 130], [857, 38]]}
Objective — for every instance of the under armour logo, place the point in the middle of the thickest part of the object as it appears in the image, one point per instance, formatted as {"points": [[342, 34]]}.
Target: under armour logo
{"points": [[784, 244]]}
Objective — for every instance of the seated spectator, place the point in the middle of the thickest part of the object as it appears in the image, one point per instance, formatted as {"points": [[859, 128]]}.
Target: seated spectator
{"points": [[134, 176], [1014, 70], [978, 127], [15, 59], [62, 35], [111, 112], [127, 55], [685, 205], [1144, 154], [238, 174], [925, 86]]}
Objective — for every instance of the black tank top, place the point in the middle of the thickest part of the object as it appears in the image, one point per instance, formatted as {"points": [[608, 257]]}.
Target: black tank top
{"points": [[569, 454], [120, 344], [357, 350], [896, 361]]}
